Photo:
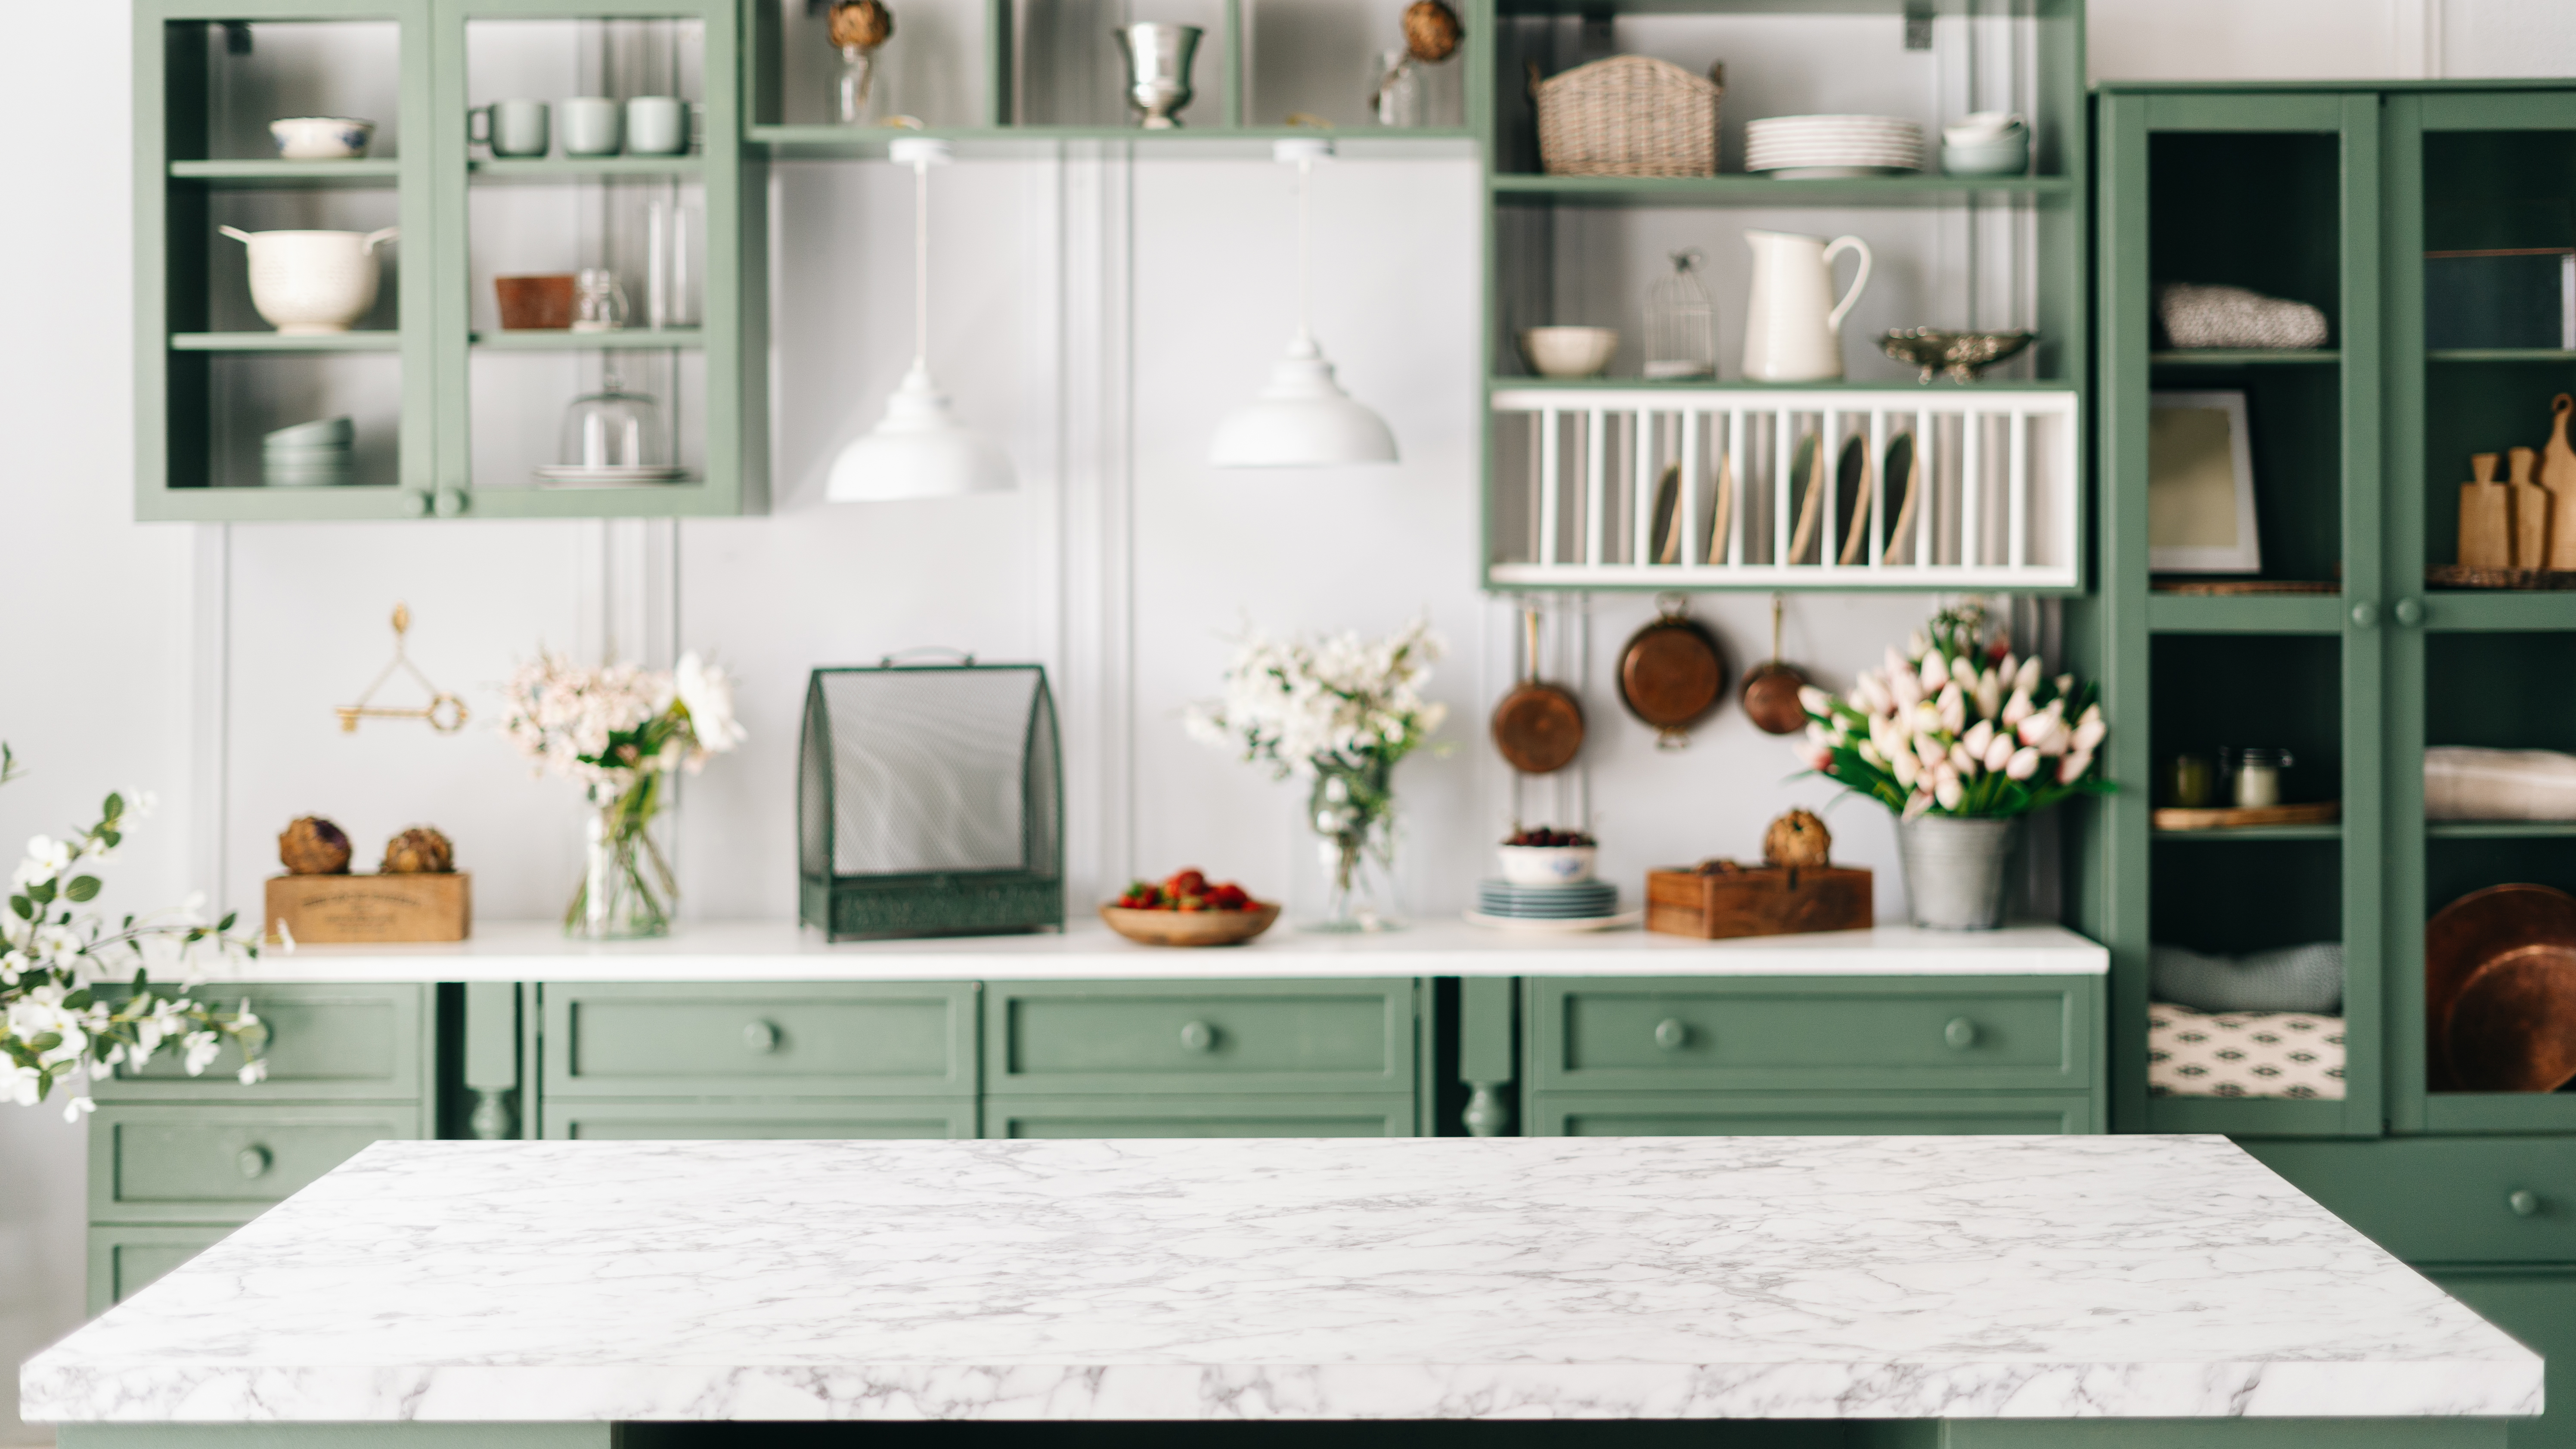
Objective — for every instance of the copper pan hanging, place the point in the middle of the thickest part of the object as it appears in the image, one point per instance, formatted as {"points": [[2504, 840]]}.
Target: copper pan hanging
{"points": [[1672, 673], [1538, 727], [2500, 991]]}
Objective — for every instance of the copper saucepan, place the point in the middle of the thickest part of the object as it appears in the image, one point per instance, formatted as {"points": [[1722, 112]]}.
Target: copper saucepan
{"points": [[1538, 727]]}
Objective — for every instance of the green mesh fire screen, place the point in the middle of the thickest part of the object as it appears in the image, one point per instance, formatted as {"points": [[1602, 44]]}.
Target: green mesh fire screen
{"points": [[930, 802]]}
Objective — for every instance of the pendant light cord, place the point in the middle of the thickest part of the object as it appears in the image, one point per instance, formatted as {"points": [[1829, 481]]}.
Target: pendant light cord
{"points": [[1305, 254], [921, 265]]}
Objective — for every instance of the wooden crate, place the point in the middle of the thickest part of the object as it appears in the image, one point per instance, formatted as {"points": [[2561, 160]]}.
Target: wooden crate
{"points": [[1757, 901], [347, 910]]}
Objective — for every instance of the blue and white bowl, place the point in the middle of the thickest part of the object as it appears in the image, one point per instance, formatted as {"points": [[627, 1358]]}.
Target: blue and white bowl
{"points": [[321, 138], [1547, 865]]}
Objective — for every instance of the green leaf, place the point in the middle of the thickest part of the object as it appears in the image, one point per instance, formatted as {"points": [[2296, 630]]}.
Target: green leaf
{"points": [[112, 838], [42, 893], [25, 908], [114, 807], [226, 923], [82, 888]]}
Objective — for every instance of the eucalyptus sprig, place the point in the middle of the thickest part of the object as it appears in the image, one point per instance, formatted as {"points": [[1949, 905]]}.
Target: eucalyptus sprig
{"points": [[77, 998]]}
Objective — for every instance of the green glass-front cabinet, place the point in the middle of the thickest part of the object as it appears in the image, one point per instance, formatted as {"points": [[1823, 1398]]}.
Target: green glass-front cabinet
{"points": [[450, 414], [2335, 195]]}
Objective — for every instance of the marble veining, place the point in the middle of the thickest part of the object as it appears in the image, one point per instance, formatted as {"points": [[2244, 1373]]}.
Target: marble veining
{"points": [[1961, 1277]]}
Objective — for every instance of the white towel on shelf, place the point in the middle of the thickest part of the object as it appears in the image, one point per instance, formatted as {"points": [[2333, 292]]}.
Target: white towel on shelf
{"points": [[2291, 1054], [2288, 978], [2465, 783]]}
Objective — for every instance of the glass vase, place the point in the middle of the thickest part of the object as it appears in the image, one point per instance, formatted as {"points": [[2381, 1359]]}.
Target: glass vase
{"points": [[627, 892], [1351, 813], [857, 97]]}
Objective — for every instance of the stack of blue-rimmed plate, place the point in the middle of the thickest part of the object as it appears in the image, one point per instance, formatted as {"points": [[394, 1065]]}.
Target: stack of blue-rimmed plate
{"points": [[1582, 906], [308, 455]]}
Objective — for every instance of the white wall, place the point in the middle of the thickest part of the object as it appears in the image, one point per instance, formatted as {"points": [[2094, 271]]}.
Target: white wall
{"points": [[1099, 319]]}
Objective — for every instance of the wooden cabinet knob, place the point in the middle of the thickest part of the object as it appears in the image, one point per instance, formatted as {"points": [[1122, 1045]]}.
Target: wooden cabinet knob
{"points": [[252, 1161], [1672, 1033], [1198, 1036], [760, 1037]]}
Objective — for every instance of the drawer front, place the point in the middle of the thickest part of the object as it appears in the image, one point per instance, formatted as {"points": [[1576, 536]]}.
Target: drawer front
{"points": [[125, 1260], [1266, 1116], [2539, 1308], [224, 1164], [760, 1039], [325, 1044], [2443, 1200], [760, 1121], [1854, 1114], [1185, 1038], [1754, 1033]]}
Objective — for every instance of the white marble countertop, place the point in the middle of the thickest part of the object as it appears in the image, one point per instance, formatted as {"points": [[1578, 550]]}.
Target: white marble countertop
{"points": [[782, 951], [1746, 1277]]}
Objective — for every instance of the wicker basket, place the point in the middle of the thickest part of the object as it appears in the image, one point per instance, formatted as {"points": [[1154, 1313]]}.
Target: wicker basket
{"points": [[1629, 115]]}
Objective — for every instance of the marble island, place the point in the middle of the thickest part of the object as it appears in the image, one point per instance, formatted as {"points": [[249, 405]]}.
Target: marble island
{"points": [[429, 1284], [782, 951]]}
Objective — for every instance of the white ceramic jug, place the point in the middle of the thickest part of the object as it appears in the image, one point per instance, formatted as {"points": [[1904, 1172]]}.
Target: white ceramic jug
{"points": [[1792, 324]]}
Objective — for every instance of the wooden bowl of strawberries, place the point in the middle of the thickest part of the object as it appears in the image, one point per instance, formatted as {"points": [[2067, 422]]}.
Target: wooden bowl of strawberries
{"points": [[1188, 910]]}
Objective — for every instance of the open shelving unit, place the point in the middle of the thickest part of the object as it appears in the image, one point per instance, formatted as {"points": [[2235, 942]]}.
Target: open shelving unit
{"points": [[1573, 470], [451, 414]]}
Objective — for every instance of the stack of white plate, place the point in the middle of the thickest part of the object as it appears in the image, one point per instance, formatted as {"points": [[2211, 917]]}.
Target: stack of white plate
{"points": [[1801, 146], [574, 475], [308, 455], [1586, 905]]}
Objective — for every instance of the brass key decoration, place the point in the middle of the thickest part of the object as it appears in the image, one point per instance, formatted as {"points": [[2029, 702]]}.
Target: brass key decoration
{"points": [[444, 712]]}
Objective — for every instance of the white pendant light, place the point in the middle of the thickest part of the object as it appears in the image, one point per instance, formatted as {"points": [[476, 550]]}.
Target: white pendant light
{"points": [[1303, 419], [920, 450]]}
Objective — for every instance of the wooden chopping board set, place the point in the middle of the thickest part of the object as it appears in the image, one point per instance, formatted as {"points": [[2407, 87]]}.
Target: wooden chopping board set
{"points": [[2515, 533]]}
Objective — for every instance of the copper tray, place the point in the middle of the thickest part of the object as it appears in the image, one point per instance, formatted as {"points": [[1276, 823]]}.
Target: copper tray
{"points": [[2500, 991]]}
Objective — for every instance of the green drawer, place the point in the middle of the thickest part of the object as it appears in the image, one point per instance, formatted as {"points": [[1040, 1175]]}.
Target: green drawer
{"points": [[748, 1121], [1121, 1038], [2442, 1199], [326, 1044], [760, 1039], [1762, 1114], [2539, 1308], [1831, 1033], [1269, 1116], [164, 1164], [124, 1260]]}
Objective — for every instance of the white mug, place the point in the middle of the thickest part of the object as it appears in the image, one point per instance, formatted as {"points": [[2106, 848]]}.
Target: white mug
{"points": [[591, 126], [657, 126]]}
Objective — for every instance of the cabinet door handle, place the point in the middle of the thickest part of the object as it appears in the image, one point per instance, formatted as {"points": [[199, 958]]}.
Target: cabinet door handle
{"points": [[1961, 1033], [760, 1037], [2365, 615], [2410, 612], [2524, 1202], [1672, 1033], [1198, 1036], [253, 1161]]}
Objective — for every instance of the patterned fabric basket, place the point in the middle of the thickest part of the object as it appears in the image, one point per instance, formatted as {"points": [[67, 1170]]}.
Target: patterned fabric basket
{"points": [[1629, 115]]}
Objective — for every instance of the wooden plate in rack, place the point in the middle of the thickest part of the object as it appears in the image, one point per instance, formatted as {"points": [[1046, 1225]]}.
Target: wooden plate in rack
{"points": [[2244, 817]]}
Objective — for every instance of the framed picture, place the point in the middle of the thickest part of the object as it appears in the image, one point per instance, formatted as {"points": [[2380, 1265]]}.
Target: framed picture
{"points": [[2200, 485]]}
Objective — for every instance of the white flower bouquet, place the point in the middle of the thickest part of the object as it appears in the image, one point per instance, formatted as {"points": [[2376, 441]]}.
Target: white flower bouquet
{"points": [[1340, 712], [77, 994], [1957, 726], [619, 731]]}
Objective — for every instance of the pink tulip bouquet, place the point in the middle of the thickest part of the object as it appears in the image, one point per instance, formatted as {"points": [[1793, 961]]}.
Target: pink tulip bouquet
{"points": [[1957, 726]]}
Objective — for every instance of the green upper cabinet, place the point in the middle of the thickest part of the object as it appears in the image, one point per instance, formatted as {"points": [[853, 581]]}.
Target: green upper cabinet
{"points": [[447, 412], [2376, 205], [2479, 286]]}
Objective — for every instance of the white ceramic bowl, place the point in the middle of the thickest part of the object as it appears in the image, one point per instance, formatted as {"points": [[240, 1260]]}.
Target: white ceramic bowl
{"points": [[1977, 126], [307, 282], [1547, 865], [321, 138], [2007, 157], [1569, 351]]}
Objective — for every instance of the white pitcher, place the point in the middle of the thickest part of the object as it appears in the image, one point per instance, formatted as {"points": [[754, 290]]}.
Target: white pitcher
{"points": [[1792, 324]]}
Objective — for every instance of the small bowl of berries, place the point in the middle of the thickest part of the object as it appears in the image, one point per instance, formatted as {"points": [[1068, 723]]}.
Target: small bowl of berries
{"points": [[1545, 857], [1188, 909]]}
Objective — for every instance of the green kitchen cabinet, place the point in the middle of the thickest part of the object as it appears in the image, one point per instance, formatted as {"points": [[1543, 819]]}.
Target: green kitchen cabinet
{"points": [[843, 1040], [1272, 1115], [451, 414], [1659, 1055], [125, 1259], [2488, 1200], [1193, 1038], [355, 1043], [759, 1119]]}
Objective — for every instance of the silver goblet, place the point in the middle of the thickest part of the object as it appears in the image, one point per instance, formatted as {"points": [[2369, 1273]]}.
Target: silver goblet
{"points": [[1158, 69]]}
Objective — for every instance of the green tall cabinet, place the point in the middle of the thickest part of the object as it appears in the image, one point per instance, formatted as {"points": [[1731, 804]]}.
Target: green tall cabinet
{"points": [[2332, 195], [452, 414]]}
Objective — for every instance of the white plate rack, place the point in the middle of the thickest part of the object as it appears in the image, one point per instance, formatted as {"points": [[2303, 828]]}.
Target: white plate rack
{"points": [[1726, 487]]}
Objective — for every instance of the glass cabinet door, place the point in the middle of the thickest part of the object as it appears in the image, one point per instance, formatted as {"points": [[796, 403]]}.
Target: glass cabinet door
{"points": [[590, 319], [2482, 336], [283, 353], [2270, 641]]}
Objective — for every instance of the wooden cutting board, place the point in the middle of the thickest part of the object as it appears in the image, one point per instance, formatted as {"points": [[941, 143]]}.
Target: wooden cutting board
{"points": [[2558, 475], [2241, 817]]}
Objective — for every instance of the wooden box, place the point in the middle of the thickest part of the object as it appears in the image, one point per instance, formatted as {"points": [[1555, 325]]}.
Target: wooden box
{"points": [[1762, 900], [352, 910]]}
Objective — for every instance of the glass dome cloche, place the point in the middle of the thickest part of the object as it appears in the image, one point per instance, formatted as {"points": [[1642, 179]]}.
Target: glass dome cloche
{"points": [[613, 437]]}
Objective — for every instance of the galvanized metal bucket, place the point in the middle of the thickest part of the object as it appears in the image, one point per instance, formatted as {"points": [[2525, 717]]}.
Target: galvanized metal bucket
{"points": [[1957, 870]]}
